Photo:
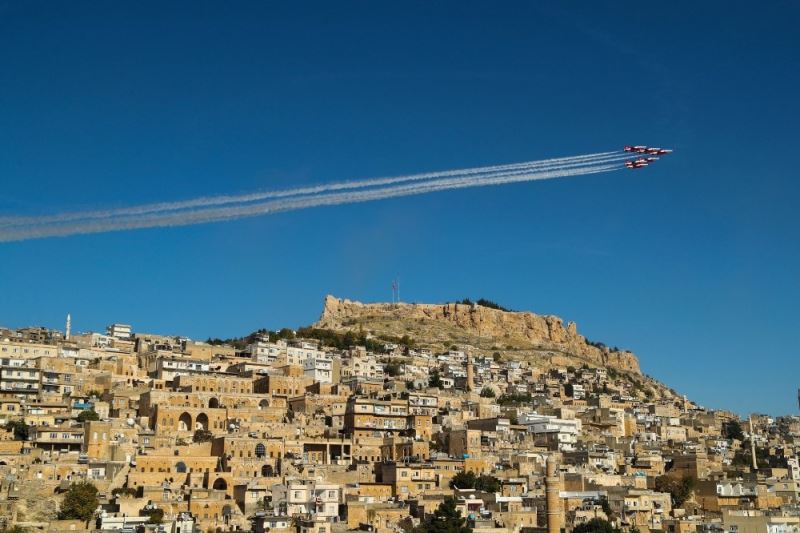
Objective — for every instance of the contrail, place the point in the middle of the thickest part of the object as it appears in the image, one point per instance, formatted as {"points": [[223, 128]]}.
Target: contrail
{"points": [[275, 206], [334, 194], [251, 197]]}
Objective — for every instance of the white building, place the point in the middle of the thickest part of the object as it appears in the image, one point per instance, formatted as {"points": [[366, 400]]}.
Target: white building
{"points": [[564, 431], [297, 354], [120, 331], [319, 368], [267, 352], [362, 366], [168, 368], [307, 497]]}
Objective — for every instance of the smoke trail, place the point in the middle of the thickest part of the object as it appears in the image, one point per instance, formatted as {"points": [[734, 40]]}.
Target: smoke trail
{"points": [[471, 174], [212, 214], [233, 199]]}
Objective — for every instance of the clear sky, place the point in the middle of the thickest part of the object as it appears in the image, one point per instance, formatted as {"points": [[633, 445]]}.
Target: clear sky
{"points": [[694, 263]]}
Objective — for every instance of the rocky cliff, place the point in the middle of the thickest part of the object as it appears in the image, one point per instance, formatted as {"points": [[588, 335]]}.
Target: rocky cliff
{"points": [[484, 328]]}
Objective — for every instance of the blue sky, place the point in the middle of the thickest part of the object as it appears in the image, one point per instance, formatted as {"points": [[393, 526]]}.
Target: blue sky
{"points": [[693, 263]]}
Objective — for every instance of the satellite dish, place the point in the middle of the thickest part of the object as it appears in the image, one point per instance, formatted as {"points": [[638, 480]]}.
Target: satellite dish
{"points": [[131, 422]]}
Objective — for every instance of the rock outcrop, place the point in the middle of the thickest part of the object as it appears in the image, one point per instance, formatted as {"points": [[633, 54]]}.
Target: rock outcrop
{"points": [[474, 324]]}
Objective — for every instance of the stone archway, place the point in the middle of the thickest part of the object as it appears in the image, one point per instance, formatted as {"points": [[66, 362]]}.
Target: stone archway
{"points": [[185, 422], [201, 422]]}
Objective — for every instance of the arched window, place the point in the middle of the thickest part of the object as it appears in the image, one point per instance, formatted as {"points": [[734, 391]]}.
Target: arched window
{"points": [[261, 450], [180, 467]]}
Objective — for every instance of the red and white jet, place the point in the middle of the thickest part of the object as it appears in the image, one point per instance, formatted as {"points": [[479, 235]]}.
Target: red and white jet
{"points": [[658, 151], [639, 149], [638, 163]]}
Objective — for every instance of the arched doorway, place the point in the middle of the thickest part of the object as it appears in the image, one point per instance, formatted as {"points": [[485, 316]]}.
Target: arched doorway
{"points": [[201, 422], [185, 422], [213, 403], [220, 484], [266, 471]]}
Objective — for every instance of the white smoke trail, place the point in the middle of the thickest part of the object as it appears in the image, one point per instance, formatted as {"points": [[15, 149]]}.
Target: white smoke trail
{"points": [[213, 214], [252, 197]]}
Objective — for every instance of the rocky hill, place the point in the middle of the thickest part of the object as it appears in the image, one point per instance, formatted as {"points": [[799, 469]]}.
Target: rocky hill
{"points": [[516, 334]]}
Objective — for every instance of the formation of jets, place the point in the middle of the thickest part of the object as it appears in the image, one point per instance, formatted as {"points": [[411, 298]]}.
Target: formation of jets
{"points": [[644, 161]]}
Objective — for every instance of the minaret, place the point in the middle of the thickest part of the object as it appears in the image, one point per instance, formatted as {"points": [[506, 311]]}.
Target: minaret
{"points": [[752, 444], [552, 484], [69, 326], [470, 374]]}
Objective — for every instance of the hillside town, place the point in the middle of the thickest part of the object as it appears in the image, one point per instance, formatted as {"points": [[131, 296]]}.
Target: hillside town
{"points": [[318, 430]]}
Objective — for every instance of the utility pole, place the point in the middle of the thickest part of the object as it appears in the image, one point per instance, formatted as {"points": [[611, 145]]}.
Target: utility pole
{"points": [[395, 292]]}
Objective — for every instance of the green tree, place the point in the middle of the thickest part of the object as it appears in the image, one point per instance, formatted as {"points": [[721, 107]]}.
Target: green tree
{"points": [[680, 489], [606, 506], [468, 480], [445, 519], [514, 398], [487, 392], [488, 484], [88, 415], [733, 430], [435, 380], [125, 491], [490, 304], [156, 515], [463, 480], [80, 502], [202, 435], [19, 428], [392, 369], [595, 525]]}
